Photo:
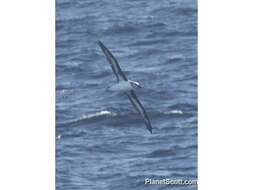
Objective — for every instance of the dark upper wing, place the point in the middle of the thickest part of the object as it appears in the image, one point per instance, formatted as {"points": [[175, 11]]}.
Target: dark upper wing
{"points": [[138, 106], [113, 62]]}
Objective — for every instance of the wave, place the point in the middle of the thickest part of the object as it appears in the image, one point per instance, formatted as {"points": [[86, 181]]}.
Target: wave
{"points": [[175, 112], [132, 117], [122, 28], [186, 11], [169, 152], [147, 42], [98, 114], [176, 57]]}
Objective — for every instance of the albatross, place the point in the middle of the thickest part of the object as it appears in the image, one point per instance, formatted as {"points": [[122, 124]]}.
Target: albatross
{"points": [[125, 86]]}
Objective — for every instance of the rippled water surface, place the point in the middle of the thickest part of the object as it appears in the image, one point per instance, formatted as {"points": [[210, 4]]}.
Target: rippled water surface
{"points": [[101, 142]]}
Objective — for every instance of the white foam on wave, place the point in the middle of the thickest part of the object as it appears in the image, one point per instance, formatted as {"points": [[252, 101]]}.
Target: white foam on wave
{"points": [[63, 92], [72, 64], [179, 112], [177, 56], [97, 114], [58, 137]]}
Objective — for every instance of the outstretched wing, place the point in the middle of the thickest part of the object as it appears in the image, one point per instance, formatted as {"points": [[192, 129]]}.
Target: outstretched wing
{"points": [[113, 62], [138, 106]]}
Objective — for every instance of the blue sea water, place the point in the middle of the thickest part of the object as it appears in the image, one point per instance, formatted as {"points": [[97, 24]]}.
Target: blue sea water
{"points": [[102, 143]]}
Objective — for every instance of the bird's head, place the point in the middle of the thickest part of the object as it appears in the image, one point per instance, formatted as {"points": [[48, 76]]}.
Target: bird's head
{"points": [[135, 84]]}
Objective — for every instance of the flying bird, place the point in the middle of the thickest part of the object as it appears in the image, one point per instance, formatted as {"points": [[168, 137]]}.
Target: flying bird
{"points": [[126, 86]]}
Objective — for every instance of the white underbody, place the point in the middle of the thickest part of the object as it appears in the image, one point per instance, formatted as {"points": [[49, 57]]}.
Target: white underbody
{"points": [[121, 86]]}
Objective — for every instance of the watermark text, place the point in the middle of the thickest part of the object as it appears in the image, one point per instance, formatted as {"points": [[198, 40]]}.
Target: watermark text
{"points": [[167, 181]]}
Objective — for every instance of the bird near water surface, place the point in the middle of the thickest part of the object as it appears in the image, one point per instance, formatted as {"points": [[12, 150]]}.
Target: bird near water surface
{"points": [[125, 86]]}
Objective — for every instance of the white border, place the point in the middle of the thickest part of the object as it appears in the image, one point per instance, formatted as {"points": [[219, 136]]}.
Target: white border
{"points": [[225, 94], [27, 94]]}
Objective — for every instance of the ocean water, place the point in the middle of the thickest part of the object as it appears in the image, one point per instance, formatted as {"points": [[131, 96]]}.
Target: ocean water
{"points": [[101, 141]]}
